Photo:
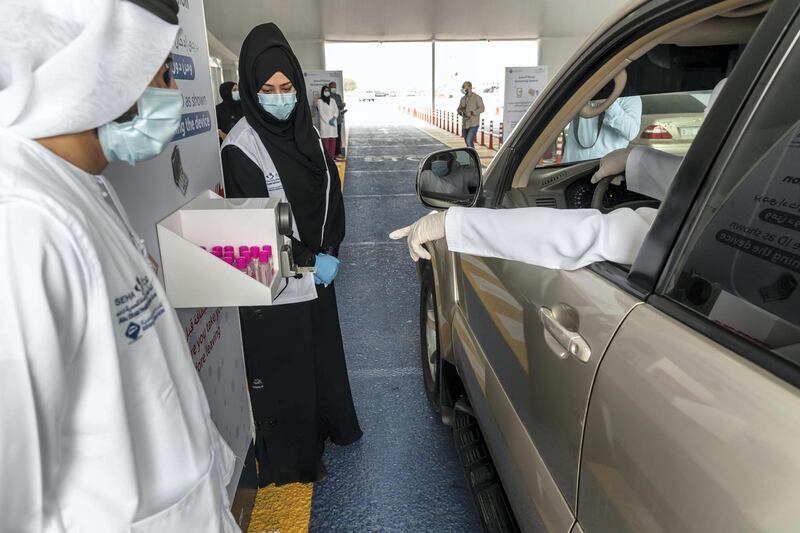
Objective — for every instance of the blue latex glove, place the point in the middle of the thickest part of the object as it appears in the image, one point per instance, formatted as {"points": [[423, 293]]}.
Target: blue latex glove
{"points": [[327, 268], [332, 121]]}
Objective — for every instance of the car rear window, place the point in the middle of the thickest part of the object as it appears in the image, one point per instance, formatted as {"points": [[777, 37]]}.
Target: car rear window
{"points": [[665, 104]]}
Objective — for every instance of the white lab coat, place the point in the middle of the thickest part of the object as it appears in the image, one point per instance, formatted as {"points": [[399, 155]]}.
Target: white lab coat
{"points": [[105, 425], [566, 239], [327, 112]]}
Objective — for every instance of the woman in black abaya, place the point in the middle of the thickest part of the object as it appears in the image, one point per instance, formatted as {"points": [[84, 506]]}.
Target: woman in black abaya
{"points": [[293, 349], [229, 110]]}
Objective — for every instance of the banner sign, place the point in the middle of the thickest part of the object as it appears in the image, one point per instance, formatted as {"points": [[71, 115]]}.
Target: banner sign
{"points": [[152, 190], [522, 86], [315, 80]]}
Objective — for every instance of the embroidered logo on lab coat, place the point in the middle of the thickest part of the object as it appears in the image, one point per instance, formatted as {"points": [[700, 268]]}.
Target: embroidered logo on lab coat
{"points": [[138, 309], [273, 181]]}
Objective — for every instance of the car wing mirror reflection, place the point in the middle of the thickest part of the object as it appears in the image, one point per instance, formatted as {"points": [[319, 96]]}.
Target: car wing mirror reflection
{"points": [[449, 178]]}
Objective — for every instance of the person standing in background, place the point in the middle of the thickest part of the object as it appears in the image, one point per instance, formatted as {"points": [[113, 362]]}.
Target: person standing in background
{"points": [[470, 109], [328, 120], [229, 111], [340, 124]]}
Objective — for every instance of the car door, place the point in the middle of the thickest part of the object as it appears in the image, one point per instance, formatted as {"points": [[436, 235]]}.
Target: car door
{"points": [[694, 419], [532, 338]]}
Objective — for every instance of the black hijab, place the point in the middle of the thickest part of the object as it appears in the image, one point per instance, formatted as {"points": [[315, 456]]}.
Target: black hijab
{"points": [[226, 92], [326, 99], [228, 111], [293, 144]]}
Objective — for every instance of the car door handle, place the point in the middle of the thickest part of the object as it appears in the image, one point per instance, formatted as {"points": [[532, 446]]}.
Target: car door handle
{"points": [[570, 340]]}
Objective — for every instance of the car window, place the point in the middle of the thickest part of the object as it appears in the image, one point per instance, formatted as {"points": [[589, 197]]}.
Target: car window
{"points": [[662, 105], [740, 267]]}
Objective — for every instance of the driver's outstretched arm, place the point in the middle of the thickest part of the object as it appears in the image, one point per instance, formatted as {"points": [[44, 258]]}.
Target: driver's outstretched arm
{"points": [[551, 238]]}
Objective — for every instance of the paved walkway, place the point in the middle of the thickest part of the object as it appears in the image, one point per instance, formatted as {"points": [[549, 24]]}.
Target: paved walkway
{"points": [[404, 476]]}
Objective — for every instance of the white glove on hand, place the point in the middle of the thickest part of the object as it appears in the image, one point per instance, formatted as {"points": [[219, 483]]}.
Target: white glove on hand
{"points": [[613, 164], [428, 228]]}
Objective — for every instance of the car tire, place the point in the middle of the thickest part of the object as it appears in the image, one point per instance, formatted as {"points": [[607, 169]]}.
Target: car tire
{"points": [[430, 359]]}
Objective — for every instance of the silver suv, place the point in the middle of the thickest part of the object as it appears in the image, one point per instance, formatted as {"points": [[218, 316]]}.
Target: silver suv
{"points": [[663, 395]]}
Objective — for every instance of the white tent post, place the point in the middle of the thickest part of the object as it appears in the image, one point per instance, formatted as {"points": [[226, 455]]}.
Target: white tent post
{"points": [[433, 76]]}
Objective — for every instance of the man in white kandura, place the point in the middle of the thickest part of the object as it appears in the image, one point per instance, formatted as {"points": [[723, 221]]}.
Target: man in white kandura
{"points": [[574, 238], [103, 421]]}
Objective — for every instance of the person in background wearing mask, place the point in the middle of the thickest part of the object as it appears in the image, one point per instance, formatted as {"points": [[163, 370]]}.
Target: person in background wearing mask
{"points": [[328, 120], [293, 349], [229, 111], [470, 109], [566, 239], [340, 121], [105, 425]]}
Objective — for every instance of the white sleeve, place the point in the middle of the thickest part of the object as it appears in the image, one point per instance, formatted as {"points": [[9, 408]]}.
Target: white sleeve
{"points": [[43, 298], [327, 111], [552, 238], [650, 172]]}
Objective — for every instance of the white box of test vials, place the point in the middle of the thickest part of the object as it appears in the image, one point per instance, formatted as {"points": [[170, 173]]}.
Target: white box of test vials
{"points": [[193, 277]]}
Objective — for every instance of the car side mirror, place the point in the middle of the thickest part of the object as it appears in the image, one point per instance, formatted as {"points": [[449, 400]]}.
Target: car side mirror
{"points": [[449, 178]]}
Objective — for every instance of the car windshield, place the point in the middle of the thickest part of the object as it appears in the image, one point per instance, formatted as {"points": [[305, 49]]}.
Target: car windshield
{"points": [[662, 105]]}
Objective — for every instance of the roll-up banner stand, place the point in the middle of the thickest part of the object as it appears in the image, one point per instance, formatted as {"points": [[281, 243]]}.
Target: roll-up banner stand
{"points": [[315, 80], [152, 190], [523, 85]]}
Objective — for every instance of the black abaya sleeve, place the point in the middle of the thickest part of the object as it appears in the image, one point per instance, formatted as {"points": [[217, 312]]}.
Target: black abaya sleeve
{"points": [[243, 178], [335, 227]]}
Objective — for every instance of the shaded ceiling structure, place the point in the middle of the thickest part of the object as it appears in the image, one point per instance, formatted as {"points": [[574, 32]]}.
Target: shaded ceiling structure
{"points": [[560, 25]]}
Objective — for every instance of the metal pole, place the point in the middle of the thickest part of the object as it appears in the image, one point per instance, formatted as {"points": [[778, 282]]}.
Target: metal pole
{"points": [[433, 74]]}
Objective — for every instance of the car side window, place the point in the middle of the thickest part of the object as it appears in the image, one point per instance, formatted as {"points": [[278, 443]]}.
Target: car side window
{"points": [[740, 266]]}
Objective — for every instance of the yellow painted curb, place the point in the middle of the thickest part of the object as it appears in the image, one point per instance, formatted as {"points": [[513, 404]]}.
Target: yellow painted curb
{"points": [[284, 509], [342, 166]]}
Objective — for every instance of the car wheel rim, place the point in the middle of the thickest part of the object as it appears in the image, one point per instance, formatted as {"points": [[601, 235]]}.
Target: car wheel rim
{"points": [[430, 335]]}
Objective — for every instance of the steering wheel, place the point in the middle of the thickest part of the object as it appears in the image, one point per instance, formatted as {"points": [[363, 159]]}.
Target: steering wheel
{"points": [[600, 193], [620, 80]]}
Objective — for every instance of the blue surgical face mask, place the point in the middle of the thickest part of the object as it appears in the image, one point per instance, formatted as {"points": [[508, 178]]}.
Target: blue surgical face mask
{"points": [[279, 106], [146, 136], [440, 168], [235, 96]]}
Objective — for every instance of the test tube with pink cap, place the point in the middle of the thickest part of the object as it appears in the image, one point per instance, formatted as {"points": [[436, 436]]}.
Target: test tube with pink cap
{"points": [[241, 264], [266, 272]]}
